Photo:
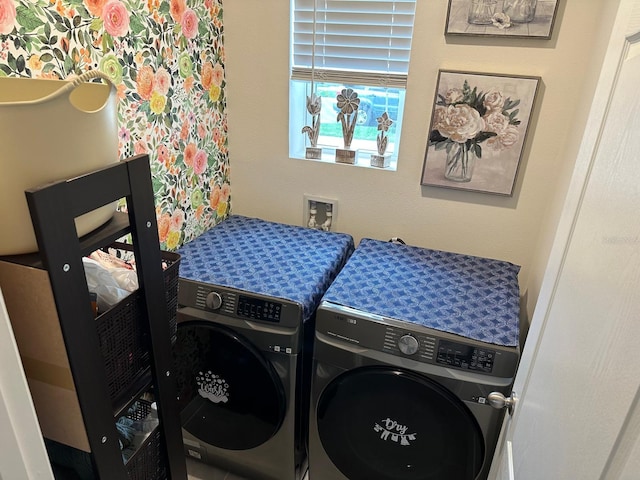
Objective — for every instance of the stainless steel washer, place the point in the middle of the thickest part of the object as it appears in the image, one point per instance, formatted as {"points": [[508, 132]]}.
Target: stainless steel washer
{"points": [[247, 298]]}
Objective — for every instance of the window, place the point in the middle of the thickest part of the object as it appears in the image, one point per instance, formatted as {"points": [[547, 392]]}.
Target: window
{"points": [[359, 44]]}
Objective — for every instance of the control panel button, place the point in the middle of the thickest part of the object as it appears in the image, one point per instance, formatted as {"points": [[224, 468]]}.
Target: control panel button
{"points": [[213, 301], [408, 344]]}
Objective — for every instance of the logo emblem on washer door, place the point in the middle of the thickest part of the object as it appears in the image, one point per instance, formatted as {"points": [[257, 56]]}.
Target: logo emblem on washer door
{"points": [[212, 387], [390, 430]]}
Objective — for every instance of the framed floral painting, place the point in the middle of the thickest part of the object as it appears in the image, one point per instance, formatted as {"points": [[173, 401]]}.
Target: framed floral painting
{"points": [[478, 130], [502, 18]]}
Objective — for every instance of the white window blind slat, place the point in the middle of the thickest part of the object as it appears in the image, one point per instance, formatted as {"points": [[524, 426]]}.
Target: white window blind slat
{"points": [[355, 39]]}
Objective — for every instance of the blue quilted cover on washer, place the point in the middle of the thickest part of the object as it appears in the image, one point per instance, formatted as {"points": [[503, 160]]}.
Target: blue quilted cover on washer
{"points": [[478, 298], [257, 256]]}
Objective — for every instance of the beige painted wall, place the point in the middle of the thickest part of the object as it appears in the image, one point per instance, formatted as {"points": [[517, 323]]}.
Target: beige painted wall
{"points": [[380, 204]]}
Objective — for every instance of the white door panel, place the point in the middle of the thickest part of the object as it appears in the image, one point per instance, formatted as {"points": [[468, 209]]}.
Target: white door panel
{"points": [[578, 382]]}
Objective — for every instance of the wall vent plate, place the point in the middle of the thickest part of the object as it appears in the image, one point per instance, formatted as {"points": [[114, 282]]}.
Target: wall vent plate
{"points": [[320, 213]]}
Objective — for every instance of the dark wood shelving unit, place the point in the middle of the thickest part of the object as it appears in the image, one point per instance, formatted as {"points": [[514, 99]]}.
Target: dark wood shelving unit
{"points": [[53, 209]]}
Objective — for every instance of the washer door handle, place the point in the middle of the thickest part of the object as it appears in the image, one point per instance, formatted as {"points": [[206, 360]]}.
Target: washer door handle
{"points": [[499, 401]]}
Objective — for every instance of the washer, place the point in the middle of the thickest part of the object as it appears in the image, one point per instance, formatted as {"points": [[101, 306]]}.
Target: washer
{"points": [[409, 344], [248, 292]]}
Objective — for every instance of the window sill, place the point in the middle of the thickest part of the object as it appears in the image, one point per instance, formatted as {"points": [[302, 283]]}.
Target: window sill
{"points": [[363, 160]]}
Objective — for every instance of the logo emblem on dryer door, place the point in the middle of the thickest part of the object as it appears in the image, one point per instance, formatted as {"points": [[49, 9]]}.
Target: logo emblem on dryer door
{"points": [[212, 387], [390, 430]]}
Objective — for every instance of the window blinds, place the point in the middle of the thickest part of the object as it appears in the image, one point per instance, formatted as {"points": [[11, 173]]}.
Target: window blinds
{"points": [[361, 42]]}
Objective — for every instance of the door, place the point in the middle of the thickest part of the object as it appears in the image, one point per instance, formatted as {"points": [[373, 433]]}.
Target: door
{"points": [[578, 411], [229, 395], [387, 423], [22, 451]]}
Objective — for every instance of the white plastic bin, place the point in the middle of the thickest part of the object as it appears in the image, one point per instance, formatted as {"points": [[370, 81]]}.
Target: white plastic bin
{"points": [[51, 130]]}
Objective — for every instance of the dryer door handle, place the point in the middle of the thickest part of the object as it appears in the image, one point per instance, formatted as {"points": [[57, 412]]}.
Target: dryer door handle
{"points": [[499, 401]]}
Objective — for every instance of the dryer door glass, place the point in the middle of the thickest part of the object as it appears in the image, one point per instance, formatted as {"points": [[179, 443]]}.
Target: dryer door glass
{"points": [[391, 424], [229, 394]]}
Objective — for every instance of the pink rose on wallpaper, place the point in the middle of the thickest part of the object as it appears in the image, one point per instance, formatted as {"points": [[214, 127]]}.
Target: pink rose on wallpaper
{"points": [[164, 222], [177, 219], [218, 74], [95, 7], [189, 154], [162, 81], [189, 23], [163, 154], [176, 9], [200, 162], [144, 82], [207, 75], [139, 147], [226, 191], [116, 18], [7, 16], [214, 197]]}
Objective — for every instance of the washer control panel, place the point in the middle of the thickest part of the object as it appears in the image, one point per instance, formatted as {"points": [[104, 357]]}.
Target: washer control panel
{"points": [[238, 304]]}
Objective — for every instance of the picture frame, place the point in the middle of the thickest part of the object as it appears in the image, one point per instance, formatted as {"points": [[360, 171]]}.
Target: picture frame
{"points": [[479, 126], [502, 18]]}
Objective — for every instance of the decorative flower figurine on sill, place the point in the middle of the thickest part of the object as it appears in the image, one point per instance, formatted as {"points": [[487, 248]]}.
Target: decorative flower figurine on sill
{"points": [[314, 104], [384, 122], [380, 159], [348, 103], [463, 119]]}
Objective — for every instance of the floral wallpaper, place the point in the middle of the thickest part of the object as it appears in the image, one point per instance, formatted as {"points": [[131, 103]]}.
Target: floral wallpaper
{"points": [[167, 59]]}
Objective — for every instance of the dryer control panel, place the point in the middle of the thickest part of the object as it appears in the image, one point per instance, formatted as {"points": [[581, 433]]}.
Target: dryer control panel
{"points": [[415, 342]]}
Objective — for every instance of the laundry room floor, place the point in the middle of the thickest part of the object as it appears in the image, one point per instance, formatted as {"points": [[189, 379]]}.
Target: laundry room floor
{"points": [[200, 471]]}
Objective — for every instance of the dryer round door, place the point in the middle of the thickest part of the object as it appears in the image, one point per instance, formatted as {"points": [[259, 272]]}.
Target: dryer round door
{"points": [[229, 395], [392, 424]]}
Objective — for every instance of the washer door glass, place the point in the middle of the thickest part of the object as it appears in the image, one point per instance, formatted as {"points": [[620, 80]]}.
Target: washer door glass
{"points": [[228, 393], [392, 424]]}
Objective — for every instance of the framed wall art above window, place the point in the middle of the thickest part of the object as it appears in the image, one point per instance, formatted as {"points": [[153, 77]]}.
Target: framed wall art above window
{"points": [[478, 131], [502, 18]]}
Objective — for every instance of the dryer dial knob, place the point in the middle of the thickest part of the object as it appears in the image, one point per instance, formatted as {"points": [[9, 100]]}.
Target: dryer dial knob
{"points": [[214, 300], [408, 344]]}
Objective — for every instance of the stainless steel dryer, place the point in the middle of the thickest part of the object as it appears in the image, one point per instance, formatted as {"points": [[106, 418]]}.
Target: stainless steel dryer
{"points": [[409, 344], [248, 292]]}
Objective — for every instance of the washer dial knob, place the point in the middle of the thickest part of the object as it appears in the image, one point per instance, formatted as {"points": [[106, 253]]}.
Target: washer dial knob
{"points": [[408, 344], [213, 301]]}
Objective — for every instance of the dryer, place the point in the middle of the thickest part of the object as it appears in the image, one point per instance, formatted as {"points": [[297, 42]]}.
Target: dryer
{"points": [[409, 344], [248, 292]]}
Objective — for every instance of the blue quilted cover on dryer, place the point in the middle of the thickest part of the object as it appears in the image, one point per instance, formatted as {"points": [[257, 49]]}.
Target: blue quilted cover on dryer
{"points": [[475, 297], [257, 256]]}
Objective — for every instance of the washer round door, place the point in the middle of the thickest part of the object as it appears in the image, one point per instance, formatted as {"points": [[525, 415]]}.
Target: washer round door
{"points": [[229, 395], [392, 424]]}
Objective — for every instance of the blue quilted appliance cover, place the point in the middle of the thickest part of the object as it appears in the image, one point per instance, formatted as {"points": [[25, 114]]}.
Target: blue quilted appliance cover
{"points": [[475, 297], [274, 259]]}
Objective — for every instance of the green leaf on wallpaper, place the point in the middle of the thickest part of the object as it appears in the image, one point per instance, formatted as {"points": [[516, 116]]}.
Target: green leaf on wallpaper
{"points": [[46, 57], [68, 64], [4, 70], [137, 27], [203, 28], [107, 42], [20, 63], [164, 7], [96, 24], [27, 18]]}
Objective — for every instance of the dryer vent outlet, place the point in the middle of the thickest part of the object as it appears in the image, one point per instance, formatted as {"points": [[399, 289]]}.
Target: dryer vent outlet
{"points": [[320, 213]]}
